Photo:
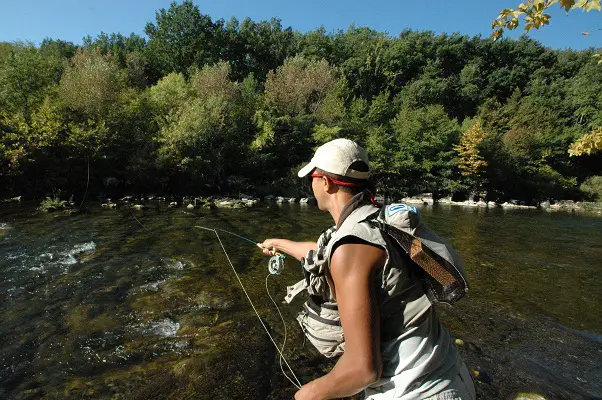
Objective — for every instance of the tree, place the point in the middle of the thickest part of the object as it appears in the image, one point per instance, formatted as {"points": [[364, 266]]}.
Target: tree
{"points": [[180, 38], [168, 94], [257, 47], [299, 86], [471, 163], [426, 157], [535, 16], [90, 83], [204, 138], [25, 76]]}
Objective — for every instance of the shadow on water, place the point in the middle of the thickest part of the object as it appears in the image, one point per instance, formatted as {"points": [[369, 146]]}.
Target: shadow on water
{"points": [[140, 304]]}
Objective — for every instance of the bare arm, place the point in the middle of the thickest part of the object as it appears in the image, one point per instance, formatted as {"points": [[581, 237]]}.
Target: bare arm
{"points": [[295, 249], [352, 268]]}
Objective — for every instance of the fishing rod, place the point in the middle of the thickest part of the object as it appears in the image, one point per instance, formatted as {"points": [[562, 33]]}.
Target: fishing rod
{"points": [[276, 263], [275, 267]]}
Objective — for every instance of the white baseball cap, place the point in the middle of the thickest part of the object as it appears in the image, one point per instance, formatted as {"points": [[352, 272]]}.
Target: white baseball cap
{"points": [[336, 157]]}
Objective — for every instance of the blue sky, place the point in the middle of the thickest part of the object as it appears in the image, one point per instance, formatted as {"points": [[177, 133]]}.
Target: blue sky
{"points": [[33, 20]]}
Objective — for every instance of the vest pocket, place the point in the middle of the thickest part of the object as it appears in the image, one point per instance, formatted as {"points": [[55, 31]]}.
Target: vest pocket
{"points": [[321, 324]]}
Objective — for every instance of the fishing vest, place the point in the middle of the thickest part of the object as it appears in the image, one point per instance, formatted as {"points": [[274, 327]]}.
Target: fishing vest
{"points": [[420, 269]]}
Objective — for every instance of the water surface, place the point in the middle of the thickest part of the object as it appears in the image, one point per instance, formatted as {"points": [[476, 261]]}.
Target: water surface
{"points": [[136, 304]]}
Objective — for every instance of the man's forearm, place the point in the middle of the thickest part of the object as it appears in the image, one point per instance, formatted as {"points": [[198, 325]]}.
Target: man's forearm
{"points": [[346, 379], [296, 249]]}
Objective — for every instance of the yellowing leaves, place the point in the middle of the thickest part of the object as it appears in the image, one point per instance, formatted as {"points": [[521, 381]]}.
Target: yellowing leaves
{"points": [[471, 164], [588, 144], [534, 14]]}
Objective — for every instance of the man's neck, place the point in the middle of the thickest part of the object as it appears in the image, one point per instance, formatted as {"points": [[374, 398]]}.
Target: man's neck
{"points": [[338, 202]]}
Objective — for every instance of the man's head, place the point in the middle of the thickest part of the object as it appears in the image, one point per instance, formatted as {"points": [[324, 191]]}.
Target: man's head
{"points": [[341, 165], [340, 157]]}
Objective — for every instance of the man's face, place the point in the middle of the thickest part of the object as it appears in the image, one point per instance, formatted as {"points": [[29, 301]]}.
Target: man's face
{"points": [[319, 189]]}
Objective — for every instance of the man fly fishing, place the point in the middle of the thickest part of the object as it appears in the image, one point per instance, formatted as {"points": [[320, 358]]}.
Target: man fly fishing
{"points": [[368, 305]]}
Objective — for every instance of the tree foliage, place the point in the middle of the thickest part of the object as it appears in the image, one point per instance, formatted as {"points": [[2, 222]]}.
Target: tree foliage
{"points": [[471, 162], [534, 14], [25, 75], [90, 83], [204, 105], [588, 144], [299, 86]]}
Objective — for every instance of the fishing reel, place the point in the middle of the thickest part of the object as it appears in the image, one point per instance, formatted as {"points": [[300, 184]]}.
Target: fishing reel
{"points": [[276, 264]]}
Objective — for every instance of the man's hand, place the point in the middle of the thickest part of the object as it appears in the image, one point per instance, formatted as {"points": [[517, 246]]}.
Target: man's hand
{"points": [[295, 249], [269, 247]]}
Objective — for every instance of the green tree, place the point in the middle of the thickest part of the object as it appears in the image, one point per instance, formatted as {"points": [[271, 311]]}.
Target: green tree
{"points": [[25, 78], [168, 95], [426, 157], [204, 139], [180, 38], [299, 86], [90, 83]]}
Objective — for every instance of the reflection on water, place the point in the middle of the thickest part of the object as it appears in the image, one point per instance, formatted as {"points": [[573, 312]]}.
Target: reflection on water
{"points": [[113, 303]]}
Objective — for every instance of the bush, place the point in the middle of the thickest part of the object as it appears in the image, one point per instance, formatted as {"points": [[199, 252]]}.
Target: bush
{"points": [[54, 204], [592, 188]]}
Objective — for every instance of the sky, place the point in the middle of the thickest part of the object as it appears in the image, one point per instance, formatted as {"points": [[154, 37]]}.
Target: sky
{"points": [[71, 20]]}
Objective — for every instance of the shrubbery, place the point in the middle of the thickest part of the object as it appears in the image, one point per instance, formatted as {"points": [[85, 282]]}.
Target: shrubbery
{"points": [[592, 188]]}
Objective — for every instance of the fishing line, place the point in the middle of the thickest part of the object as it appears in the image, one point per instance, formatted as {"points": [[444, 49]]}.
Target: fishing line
{"points": [[87, 183], [284, 340], [137, 220], [297, 384]]}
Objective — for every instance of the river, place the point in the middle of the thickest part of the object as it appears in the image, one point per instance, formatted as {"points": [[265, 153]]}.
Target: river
{"points": [[132, 304]]}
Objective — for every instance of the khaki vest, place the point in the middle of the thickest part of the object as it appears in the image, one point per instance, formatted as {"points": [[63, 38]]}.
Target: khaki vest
{"points": [[415, 346]]}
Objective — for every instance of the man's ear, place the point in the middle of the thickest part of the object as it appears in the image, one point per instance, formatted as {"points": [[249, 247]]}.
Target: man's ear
{"points": [[329, 186]]}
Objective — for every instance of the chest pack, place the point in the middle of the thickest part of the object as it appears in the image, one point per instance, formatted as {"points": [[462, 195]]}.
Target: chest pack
{"points": [[435, 262]]}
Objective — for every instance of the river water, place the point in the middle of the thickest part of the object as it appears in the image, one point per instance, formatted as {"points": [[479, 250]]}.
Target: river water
{"points": [[132, 304]]}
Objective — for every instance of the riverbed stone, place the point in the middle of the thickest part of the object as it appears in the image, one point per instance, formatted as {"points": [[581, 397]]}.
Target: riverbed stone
{"points": [[529, 396], [16, 199], [423, 198]]}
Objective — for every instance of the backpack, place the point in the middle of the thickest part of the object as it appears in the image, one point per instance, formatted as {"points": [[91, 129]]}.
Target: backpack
{"points": [[440, 268]]}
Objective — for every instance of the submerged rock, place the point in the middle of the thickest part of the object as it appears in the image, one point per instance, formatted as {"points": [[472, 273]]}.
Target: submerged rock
{"points": [[213, 300], [529, 396], [164, 328]]}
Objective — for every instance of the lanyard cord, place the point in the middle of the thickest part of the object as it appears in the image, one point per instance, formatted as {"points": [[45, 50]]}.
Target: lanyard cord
{"points": [[297, 384]]}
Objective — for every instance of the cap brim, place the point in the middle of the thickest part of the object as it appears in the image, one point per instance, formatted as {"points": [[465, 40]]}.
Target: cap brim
{"points": [[303, 172]]}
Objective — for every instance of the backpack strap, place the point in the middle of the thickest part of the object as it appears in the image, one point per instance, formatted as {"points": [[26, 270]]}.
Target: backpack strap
{"points": [[444, 281]]}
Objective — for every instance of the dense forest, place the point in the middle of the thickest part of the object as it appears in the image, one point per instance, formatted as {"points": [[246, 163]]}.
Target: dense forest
{"points": [[198, 106]]}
